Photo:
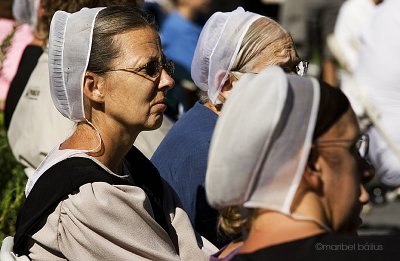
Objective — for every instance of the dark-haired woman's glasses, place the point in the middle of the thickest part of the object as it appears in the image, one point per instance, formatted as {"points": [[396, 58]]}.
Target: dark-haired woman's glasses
{"points": [[360, 145], [151, 70]]}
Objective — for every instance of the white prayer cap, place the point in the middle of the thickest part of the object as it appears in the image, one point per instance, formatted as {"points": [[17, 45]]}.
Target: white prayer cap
{"points": [[25, 11], [70, 41], [218, 47], [262, 141]]}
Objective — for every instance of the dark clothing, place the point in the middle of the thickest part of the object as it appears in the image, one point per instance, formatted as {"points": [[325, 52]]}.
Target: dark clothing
{"points": [[26, 66], [181, 160], [331, 246]]}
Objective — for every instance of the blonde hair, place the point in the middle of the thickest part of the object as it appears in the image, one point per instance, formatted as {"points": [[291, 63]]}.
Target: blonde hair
{"points": [[265, 42], [231, 222]]}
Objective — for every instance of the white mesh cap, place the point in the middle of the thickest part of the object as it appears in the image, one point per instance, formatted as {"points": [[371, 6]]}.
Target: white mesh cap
{"points": [[217, 49], [25, 11], [70, 41], [262, 140]]}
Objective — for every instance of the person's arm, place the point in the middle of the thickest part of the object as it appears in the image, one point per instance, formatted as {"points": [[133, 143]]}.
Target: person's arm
{"points": [[6, 251]]}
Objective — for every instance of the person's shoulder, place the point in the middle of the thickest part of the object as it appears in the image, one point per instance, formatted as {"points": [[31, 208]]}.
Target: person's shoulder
{"points": [[199, 115], [184, 126], [189, 135], [330, 246], [103, 196]]}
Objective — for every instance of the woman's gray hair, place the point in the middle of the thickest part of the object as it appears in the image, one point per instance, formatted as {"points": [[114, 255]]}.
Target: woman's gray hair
{"points": [[112, 21], [265, 42]]}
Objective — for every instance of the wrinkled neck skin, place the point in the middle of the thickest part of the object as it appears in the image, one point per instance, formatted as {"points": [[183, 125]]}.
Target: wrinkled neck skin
{"points": [[116, 141], [281, 228]]}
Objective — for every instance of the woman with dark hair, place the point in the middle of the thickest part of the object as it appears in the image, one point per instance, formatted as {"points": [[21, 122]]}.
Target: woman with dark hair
{"points": [[95, 197], [299, 173]]}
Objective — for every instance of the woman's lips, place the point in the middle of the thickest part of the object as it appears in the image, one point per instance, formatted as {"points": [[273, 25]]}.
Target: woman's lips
{"points": [[162, 104]]}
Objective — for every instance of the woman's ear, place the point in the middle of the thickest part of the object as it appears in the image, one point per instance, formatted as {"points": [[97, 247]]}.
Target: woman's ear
{"points": [[93, 87], [313, 172], [226, 88]]}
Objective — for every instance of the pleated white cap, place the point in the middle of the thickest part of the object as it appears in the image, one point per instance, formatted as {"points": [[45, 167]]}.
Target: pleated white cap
{"points": [[218, 47], [262, 140], [70, 41]]}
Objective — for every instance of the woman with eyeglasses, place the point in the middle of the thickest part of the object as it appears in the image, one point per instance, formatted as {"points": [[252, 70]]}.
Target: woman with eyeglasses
{"points": [[230, 44], [299, 173], [95, 197]]}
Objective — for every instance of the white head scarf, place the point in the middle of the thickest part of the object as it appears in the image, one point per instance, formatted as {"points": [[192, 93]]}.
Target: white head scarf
{"points": [[218, 47], [262, 140], [70, 41]]}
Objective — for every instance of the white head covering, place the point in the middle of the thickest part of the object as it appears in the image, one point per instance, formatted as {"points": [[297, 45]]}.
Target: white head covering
{"points": [[25, 11], [217, 49], [262, 140], [70, 41]]}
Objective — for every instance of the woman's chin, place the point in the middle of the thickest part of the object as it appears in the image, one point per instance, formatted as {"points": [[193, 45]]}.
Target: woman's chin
{"points": [[155, 124]]}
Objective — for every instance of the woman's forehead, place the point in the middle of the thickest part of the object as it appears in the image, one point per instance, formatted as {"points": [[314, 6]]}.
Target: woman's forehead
{"points": [[345, 128], [138, 43], [137, 37]]}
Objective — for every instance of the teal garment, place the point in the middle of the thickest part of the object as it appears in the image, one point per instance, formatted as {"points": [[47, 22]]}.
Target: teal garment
{"points": [[181, 159], [179, 39]]}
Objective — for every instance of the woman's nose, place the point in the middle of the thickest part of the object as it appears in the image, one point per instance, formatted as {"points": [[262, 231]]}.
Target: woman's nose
{"points": [[364, 197], [367, 171], [166, 81]]}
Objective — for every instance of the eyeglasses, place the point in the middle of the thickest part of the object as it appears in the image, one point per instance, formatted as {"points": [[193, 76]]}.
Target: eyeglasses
{"points": [[151, 70], [361, 145], [300, 69]]}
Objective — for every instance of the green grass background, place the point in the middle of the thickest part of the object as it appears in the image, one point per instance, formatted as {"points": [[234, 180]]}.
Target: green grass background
{"points": [[12, 186]]}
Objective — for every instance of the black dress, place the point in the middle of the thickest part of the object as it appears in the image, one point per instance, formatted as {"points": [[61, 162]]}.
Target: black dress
{"points": [[331, 246]]}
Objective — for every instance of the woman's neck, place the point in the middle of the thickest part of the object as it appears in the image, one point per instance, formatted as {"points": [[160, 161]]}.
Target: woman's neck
{"points": [[215, 108], [273, 228], [110, 150]]}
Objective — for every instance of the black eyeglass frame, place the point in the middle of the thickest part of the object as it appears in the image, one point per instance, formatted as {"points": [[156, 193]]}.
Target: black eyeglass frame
{"points": [[361, 144], [300, 69]]}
